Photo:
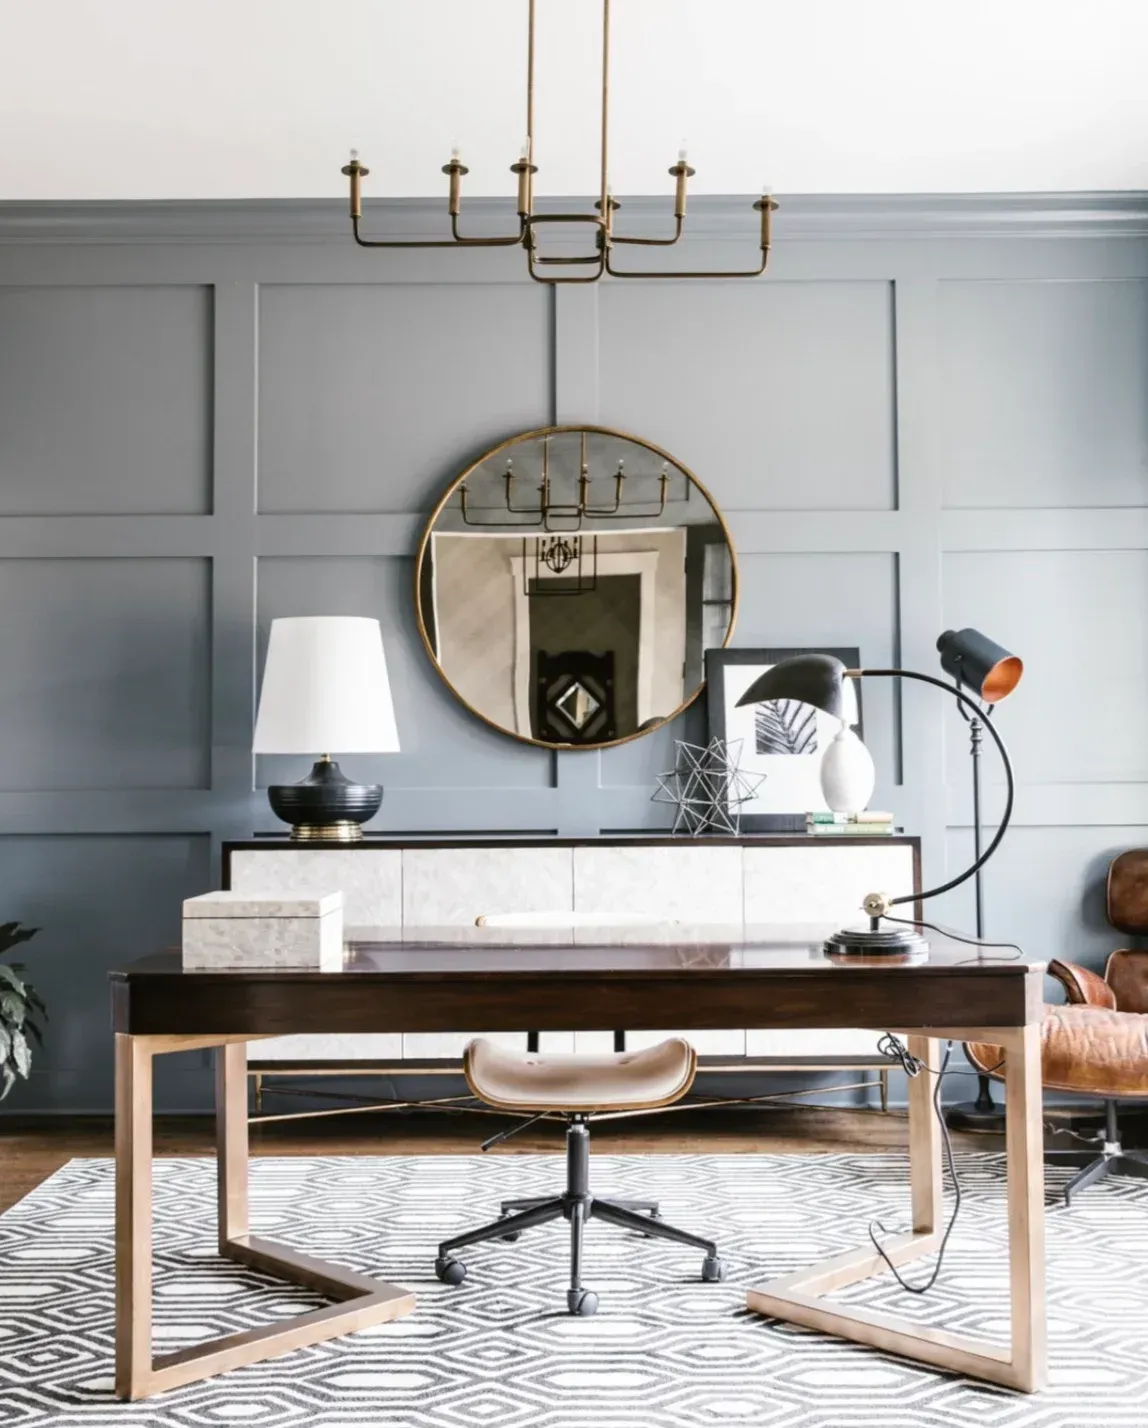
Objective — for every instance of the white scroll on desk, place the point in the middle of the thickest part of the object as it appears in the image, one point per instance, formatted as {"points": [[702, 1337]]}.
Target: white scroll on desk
{"points": [[690, 881]]}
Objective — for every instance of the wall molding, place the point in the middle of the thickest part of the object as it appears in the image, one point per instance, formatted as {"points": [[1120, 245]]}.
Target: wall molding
{"points": [[712, 217]]}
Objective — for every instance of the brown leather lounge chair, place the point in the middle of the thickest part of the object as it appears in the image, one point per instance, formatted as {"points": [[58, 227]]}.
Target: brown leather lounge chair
{"points": [[1097, 1043]]}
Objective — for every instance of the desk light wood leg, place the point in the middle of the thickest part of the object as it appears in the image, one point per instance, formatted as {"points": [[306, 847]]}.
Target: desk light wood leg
{"points": [[799, 1298], [359, 1301], [925, 1170], [1024, 1141], [231, 1145], [133, 1216]]}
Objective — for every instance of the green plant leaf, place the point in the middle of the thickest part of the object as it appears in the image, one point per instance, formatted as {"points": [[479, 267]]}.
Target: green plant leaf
{"points": [[37, 1034], [13, 1008], [11, 934], [21, 1054], [8, 1081], [5, 1044], [10, 975]]}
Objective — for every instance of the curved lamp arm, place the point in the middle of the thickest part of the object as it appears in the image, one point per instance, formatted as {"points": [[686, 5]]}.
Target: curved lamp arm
{"points": [[1011, 785]]}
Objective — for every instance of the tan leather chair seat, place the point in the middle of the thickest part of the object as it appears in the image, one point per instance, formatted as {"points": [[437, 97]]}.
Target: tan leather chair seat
{"points": [[1090, 1049], [535, 1081]]}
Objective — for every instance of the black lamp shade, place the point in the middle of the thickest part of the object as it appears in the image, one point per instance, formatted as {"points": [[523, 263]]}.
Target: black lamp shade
{"points": [[980, 664], [816, 679]]}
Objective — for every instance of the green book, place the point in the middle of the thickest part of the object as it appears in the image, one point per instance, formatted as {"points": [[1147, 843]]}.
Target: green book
{"points": [[868, 816], [850, 830]]}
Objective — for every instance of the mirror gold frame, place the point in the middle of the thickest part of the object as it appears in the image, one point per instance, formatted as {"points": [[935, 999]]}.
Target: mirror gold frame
{"points": [[535, 434]]}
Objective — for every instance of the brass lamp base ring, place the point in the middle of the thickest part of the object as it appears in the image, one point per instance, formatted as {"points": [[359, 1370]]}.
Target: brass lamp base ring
{"points": [[343, 831]]}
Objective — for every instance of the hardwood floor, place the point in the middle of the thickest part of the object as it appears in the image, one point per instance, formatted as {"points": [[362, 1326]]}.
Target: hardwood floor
{"points": [[32, 1148]]}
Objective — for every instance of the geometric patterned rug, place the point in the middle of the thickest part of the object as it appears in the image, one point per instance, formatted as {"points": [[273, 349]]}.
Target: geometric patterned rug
{"points": [[664, 1351]]}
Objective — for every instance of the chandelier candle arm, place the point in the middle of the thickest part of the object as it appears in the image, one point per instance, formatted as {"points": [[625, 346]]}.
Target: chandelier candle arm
{"points": [[524, 171]]}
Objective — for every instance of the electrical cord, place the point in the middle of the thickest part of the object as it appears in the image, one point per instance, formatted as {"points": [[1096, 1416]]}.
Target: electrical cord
{"points": [[896, 1050], [959, 937]]}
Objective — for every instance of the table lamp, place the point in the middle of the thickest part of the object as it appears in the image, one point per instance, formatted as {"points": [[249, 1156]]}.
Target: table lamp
{"points": [[819, 679], [325, 686]]}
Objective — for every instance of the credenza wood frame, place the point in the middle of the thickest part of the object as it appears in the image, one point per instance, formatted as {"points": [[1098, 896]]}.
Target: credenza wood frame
{"points": [[260, 1072]]}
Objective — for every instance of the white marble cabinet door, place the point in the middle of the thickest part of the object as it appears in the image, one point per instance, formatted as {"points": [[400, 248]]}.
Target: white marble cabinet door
{"points": [[593, 1043], [449, 1045], [690, 883], [338, 1046], [822, 884], [779, 1043], [705, 1043], [451, 887], [370, 879], [819, 885]]}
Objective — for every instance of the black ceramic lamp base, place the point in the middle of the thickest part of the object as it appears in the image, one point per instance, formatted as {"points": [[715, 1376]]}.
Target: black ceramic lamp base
{"points": [[325, 807]]}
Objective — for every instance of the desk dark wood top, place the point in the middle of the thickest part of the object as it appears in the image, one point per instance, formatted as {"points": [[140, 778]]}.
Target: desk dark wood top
{"points": [[496, 979]]}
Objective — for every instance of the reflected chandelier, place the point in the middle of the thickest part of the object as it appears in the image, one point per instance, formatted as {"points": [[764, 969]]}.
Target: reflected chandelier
{"points": [[605, 240], [547, 510]]}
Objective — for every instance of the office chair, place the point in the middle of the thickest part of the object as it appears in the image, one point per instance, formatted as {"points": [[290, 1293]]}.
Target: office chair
{"points": [[576, 1087]]}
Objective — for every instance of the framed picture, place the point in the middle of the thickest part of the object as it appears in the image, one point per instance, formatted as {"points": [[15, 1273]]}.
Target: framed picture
{"points": [[784, 741]]}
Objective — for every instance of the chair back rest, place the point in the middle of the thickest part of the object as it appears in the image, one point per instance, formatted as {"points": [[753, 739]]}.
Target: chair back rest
{"points": [[1128, 891], [1127, 976]]}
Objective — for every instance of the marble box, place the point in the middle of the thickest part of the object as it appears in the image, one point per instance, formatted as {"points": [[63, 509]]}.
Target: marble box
{"points": [[238, 930]]}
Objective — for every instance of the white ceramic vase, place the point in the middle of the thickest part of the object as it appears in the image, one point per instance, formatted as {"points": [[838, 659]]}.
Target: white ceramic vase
{"points": [[847, 773]]}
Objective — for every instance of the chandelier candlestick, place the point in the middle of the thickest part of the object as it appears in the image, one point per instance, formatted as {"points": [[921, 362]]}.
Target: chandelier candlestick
{"points": [[602, 220], [525, 171], [681, 171], [356, 172]]}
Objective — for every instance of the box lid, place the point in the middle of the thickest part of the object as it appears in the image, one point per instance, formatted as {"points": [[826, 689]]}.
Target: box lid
{"points": [[246, 904]]}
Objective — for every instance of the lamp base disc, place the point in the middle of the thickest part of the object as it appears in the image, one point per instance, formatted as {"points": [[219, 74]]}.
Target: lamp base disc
{"points": [[884, 942], [341, 831], [972, 1117]]}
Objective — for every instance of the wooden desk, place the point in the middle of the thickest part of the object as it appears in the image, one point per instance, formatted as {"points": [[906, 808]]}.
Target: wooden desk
{"points": [[692, 978]]}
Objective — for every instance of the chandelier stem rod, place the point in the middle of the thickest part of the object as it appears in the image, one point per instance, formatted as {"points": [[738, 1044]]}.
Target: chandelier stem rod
{"points": [[530, 84], [605, 194]]}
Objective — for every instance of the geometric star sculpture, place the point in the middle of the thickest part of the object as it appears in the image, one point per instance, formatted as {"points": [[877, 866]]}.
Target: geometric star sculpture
{"points": [[707, 787]]}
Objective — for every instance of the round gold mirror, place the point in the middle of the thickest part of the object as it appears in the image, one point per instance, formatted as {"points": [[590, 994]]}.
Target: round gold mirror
{"points": [[569, 583]]}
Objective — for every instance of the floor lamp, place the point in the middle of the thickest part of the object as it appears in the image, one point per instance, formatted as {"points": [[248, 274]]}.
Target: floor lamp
{"points": [[819, 680], [967, 656]]}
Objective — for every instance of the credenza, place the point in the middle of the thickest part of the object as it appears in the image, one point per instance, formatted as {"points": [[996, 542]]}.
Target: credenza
{"points": [[391, 885]]}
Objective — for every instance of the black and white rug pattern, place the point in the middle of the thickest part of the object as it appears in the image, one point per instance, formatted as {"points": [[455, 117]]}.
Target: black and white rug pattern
{"points": [[665, 1350]]}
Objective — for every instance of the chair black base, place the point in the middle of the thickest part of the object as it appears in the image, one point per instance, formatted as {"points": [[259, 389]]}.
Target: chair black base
{"points": [[1112, 1160], [576, 1205]]}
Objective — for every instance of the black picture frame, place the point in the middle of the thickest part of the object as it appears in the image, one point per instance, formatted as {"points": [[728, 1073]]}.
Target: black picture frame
{"points": [[755, 661]]}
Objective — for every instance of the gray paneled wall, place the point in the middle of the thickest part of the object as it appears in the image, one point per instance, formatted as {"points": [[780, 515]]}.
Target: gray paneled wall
{"points": [[931, 413]]}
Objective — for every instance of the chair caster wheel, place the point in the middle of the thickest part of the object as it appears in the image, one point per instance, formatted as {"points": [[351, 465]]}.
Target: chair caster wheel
{"points": [[582, 1301], [713, 1271], [450, 1271]]}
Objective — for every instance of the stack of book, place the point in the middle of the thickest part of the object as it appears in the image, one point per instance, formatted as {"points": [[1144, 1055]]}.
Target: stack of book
{"points": [[868, 824]]}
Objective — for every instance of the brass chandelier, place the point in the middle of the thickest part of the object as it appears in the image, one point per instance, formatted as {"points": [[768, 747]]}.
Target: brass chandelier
{"points": [[605, 240]]}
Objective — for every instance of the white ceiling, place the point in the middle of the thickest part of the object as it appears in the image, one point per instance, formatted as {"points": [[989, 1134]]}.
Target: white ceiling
{"points": [[116, 99]]}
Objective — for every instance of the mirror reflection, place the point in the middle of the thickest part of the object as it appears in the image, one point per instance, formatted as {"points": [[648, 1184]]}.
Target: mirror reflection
{"points": [[569, 584]]}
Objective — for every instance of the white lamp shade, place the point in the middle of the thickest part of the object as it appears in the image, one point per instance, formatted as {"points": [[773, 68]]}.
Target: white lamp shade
{"points": [[325, 689]]}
